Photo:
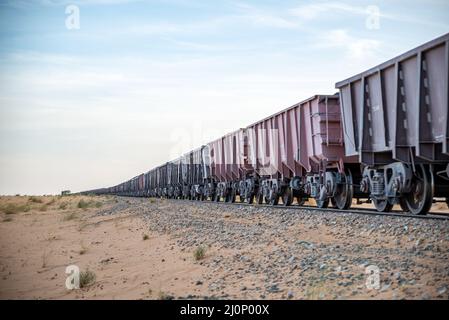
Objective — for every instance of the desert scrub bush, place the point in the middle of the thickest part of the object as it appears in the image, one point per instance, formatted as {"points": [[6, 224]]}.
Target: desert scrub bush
{"points": [[63, 206], [52, 201], [87, 278], [7, 219], [165, 296], [35, 199], [152, 200], [43, 208], [199, 253], [145, 237], [13, 208], [83, 250], [82, 204], [70, 216]]}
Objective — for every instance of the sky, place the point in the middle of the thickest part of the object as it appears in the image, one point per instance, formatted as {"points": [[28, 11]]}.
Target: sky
{"points": [[95, 92]]}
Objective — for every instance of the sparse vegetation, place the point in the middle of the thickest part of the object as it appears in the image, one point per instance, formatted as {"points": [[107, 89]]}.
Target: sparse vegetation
{"points": [[164, 296], [146, 237], [7, 219], [35, 199], [63, 206], [152, 200], [11, 208], [52, 201], [70, 216], [83, 250], [199, 253], [87, 278], [43, 208], [82, 204], [53, 238]]}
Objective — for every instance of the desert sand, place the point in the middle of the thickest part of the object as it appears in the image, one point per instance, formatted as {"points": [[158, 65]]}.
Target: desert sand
{"points": [[37, 246]]}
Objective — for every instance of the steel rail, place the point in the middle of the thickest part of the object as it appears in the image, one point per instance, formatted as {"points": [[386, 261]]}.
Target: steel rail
{"points": [[429, 216]]}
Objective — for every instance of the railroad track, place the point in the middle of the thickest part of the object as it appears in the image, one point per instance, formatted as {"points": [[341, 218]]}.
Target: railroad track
{"points": [[429, 216]]}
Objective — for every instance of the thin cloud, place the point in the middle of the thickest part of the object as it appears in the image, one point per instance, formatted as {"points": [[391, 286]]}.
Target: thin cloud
{"points": [[34, 3], [355, 48], [316, 10]]}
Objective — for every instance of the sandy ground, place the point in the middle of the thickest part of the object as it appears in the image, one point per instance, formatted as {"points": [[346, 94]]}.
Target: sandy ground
{"points": [[142, 249], [37, 246]]}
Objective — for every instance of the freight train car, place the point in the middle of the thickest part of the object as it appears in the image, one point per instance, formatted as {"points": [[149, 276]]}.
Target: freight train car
{"points": [[227, 165], [299, 152], [395, 118], [174, 179]]}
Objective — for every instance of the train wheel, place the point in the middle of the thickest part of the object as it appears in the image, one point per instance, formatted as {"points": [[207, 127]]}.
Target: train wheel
{"points": [[259, 198], [382, 205], [322, 203], [419, 200], [334, 203], [403, 204], [343, 194], [287, 197], [300, 201], [274, 200], [232, 196], [217, 198], [250, 198]]}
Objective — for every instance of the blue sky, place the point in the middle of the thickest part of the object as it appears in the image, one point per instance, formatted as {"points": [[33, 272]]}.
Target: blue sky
{"points": [[142, 81]]}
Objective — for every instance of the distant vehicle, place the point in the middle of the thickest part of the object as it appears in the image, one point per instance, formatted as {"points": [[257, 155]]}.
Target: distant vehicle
{"points": [[65, 192]]}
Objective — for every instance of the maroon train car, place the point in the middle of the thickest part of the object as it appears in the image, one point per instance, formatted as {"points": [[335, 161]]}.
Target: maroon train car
{"points": [[396, 123], [299, 152], [229, 165]]}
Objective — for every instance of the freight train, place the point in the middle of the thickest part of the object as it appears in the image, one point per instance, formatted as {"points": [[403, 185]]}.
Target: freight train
{"points": [[384, 137]]}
